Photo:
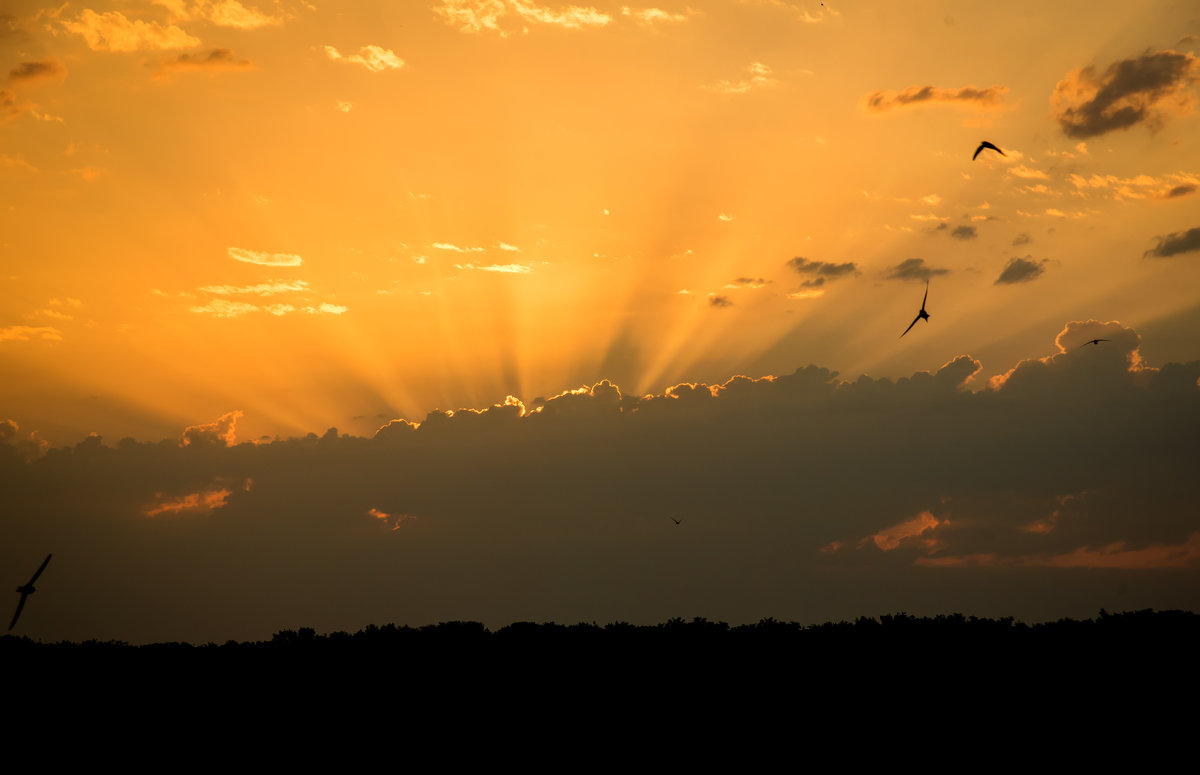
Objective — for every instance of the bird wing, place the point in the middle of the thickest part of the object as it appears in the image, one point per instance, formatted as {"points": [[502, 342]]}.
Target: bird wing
{"points": [[910, 325], [45, 562], [978, 151], [17, 615]]}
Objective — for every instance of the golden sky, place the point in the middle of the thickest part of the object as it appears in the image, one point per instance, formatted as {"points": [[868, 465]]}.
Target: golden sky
{"points": [[321, 214], [314, 213]]}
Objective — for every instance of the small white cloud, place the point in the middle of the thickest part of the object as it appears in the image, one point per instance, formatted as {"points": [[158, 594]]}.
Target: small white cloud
{"points": [[344, 106], [374, 58], [455, 248], [760, 76], [264, 259], [725, 217], [510, 248]]}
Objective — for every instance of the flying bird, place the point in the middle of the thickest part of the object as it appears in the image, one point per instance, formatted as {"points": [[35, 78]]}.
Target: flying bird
{"points": [[986, 144], [922, 315], [1095, 341], [26, 590], [677, 522]]}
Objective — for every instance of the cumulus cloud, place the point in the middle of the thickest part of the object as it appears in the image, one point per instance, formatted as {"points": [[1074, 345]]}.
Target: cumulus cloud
{"points": [[222, 431], [1021, 239], [505, 17], [913, 269], [264, 259], [964, 233], [113, 31], [990, 97], [1021, 270], [1145, 89], [1076, 461], [820, 271], [1175, 243], [374, 58], [759, 77], [223, 13], [716, 300]]}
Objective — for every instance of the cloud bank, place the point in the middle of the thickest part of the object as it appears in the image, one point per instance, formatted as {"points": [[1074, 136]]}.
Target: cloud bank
{"points": [[1061, 486], [1145, 89]]}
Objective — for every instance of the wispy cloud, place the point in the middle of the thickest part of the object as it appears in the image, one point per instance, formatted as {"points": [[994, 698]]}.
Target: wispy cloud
{"points": [[375, 58], [33, 72], [219, 60], [501, 268], [820, 271], [970, 96], [264, 259], [1145, 89], [223, 13], [760, 77], [450, 246], [507, 16], [648, 17], [261, 289], [26, 333]]}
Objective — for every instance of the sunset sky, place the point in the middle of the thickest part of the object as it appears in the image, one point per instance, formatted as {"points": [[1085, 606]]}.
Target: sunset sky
{"points": [[588, 267]]}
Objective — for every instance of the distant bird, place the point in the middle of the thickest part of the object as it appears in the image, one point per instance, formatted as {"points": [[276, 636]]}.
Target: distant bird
{"points": [[922, 315], [1095, 341], [986, 144], [677, 522], [26, 590]]}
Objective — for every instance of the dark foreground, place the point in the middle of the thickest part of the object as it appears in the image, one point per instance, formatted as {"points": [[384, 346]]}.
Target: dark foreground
{"points": [[947, 672]]}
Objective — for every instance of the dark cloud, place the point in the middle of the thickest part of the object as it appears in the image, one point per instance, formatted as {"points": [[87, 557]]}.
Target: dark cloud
{"points": [[1175, 243], [964, 233], [750, 282], [1183, 190], [720, 301], [992, 96], [1140, 90], [913, 269], [823, 268], [1021, 270], [29, 72], [816, 282], [1067, 477], [1021, 239], [217, 60]]}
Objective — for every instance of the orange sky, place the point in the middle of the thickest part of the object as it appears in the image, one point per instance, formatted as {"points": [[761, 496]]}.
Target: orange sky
{"points": [[332, 215], [260, 219]]}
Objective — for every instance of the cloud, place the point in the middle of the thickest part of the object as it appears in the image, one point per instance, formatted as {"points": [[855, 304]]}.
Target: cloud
{"points": [[34, 72], [264, 259], [224, 308], [26, 333], [1182, 190], [507, 16], [1021, 171], [913, 269], [917, 494], [223, 13], [1141, 90], [1175, 243], [112, 31], [374, 58], [760, 77], [748, 282], [990, 97], [648, 17], [220, 432], [1021, 270], [964, 233], [820, 271], [455, 248], [217, 60], [502, 268], [261, 289], [715, 300]]}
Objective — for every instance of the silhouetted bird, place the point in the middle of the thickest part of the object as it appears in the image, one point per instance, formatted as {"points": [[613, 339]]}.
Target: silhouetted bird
{"points": [[677, 522], [1095, 341], [922, 315], [986, 144], [26, 590]]}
